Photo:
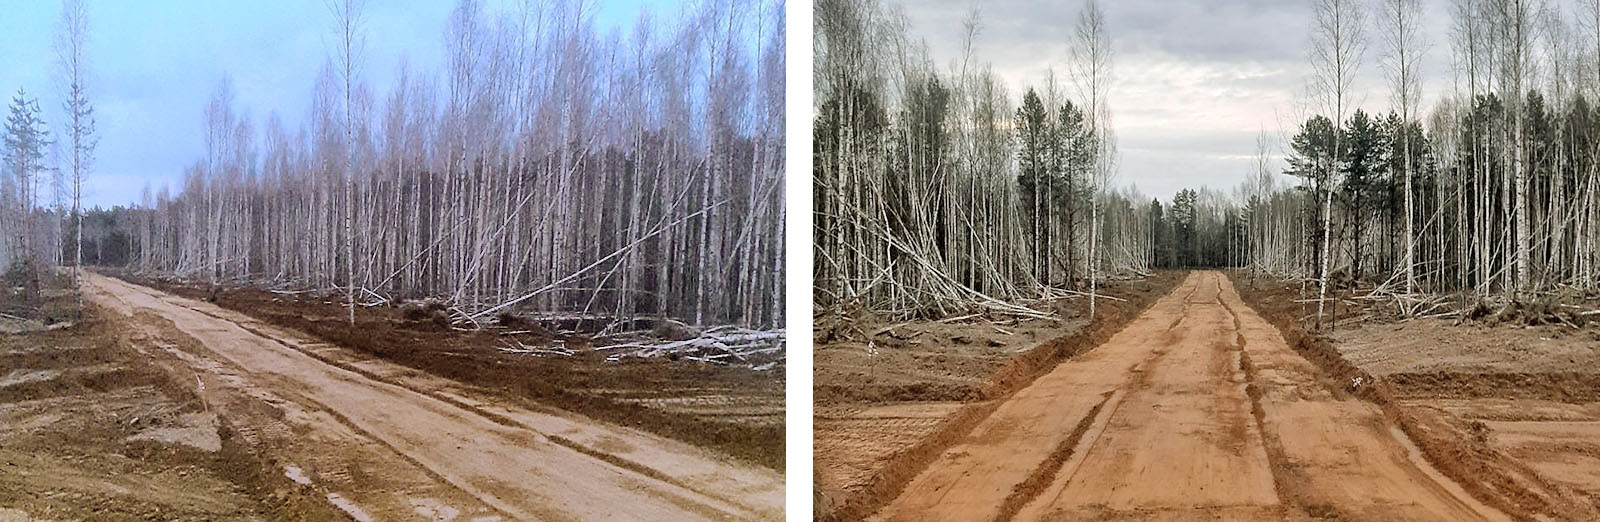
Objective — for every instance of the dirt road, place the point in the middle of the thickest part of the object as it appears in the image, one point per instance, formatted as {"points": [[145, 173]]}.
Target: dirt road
{"points": [[1198, 409], [389, 443]]}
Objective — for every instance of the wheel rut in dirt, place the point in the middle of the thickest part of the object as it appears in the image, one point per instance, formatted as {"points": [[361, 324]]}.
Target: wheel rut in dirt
{"points": [[463, 451], [1196, 409]]}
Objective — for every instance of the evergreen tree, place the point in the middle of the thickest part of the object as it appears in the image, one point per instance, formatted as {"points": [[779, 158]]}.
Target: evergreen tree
{"points": [[1033, 130], [1366, 180], [1072, 189], [1185, 241], [25, 142], [1312, 159]]}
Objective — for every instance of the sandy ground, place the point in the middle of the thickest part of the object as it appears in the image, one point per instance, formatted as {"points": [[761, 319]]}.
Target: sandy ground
{"points": [[877, 399], [1438, 345], [923, 360], [91, 429], [385, 442], [730, 410], [1196, 410], [889, 396], [1529, 393]]}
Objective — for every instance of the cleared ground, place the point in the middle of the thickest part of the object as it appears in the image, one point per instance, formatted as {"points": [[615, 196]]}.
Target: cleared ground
{"points": [[1529, 393], [727, 409], [889, 396], [1198, 409], [383, 441], [91, 429]]}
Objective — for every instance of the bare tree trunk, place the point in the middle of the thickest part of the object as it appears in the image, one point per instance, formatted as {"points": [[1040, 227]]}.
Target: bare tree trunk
{"points": [[1338, 43]]}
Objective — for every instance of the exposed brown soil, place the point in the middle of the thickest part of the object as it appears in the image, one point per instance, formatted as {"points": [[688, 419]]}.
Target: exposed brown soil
{"points": [[1559, 440], [1197, 409], [735, 411], [91, 429], [1435, 346], [382, 441], [882, 418], [1461, 448], [1555, 386]]}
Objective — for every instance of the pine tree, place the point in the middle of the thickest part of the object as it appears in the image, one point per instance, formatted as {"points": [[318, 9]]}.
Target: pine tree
{"points": [[25, 141], [1034, 174]]}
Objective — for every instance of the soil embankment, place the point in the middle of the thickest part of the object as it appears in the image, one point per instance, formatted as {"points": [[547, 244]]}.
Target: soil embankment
{"points": [[385, 441], [891, 397], [1197, 409]]}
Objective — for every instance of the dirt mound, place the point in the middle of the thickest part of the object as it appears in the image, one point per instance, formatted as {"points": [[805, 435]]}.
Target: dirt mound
{"points": [[654, 395], [903, 392], [1564, 387], [930, 376], [1489, 475], [92, 429]]}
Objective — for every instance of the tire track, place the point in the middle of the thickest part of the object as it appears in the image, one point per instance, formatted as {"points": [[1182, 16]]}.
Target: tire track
{"points": [[1281, 481], [1046, 472], [1199, 412], [496, 453]]}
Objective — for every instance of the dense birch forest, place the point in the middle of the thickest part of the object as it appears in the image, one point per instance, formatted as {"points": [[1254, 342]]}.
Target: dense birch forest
{"points": [[939, 191], [1488, 194], [554, 165]]}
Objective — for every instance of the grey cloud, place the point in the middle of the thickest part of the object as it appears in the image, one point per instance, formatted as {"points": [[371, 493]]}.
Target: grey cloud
{"points": [[1196, 80]]}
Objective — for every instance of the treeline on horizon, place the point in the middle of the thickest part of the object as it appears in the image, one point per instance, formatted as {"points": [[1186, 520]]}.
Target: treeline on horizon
{"points": [[552, 166], [1492, 192], [934, 193]]}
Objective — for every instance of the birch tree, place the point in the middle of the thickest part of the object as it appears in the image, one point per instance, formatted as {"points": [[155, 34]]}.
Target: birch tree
{"points": [[72, 35], [549, 167], [348, 20], [1400, 21], [1091, 59], [1338, 42]]}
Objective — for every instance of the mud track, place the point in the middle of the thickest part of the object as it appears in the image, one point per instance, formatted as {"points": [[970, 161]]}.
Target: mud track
{"points": [[389, 443], [1198, 409]]}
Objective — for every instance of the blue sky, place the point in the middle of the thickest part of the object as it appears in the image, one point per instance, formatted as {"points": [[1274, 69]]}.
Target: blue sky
{"points": [[155, 63]]}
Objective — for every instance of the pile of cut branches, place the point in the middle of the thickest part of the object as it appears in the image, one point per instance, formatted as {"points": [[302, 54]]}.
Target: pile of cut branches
{"points": [[726, 345]]}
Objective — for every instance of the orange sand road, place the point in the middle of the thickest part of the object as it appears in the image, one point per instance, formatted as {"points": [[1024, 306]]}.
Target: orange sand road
{"points": [[1198, 409], [400, 448]]}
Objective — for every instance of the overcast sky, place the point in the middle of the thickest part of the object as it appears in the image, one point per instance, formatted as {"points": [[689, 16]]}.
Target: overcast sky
{"points": [[1196, 80], [155, 63]]}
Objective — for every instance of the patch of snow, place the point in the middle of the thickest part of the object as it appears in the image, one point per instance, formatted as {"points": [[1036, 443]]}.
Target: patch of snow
{"points": [[24, 376], [349, 508], [434, 510], [294, 473], [195, 430]]}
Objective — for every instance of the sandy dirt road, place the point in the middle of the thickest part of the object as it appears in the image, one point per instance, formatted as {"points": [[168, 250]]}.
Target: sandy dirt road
{"points": [[1197, 410], [388, 443]]}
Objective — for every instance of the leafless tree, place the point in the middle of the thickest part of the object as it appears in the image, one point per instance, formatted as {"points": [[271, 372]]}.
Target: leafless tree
{"points": [[1401, 22], [72, 35], [348, 22], [551, 166], [1338, 42], [1091, 60]]}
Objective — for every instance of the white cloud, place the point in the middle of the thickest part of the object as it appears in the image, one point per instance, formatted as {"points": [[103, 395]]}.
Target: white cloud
{"points": [[1196, 81]]}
